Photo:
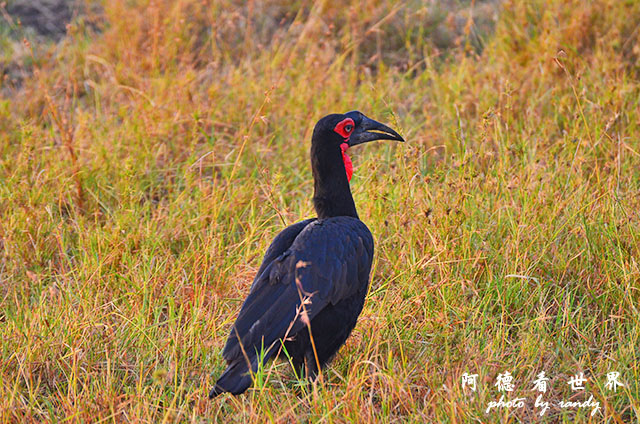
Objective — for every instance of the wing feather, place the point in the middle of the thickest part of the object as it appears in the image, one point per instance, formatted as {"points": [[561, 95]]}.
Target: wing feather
{"points": [[326, 262]]}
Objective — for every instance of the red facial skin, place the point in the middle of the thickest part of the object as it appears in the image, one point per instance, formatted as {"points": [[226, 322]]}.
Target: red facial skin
{"points": [[348, 165], [345, 131]]}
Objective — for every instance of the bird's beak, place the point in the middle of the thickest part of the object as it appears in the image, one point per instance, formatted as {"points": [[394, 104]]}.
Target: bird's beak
{"points": [[369, 130]]}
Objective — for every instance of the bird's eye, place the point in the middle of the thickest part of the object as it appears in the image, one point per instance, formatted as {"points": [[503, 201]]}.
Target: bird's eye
{"points": [[345, 127]]}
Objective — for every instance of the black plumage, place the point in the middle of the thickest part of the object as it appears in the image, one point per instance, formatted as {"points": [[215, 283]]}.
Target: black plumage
{"points": [[314, 274]]}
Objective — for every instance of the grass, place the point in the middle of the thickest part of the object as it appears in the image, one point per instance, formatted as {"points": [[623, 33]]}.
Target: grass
{"points": [[149, 158]]}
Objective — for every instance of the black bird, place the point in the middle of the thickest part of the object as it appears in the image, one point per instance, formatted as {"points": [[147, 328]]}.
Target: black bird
{"points": [[313, 280]]}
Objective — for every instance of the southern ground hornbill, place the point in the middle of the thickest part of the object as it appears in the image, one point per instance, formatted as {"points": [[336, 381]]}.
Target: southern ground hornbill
{"points": [[311, 286]]}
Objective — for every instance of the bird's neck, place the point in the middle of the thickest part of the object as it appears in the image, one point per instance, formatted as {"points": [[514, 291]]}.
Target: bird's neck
{"points": [[331, 191]]}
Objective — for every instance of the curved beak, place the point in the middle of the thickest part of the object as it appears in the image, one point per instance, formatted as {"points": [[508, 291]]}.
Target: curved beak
{"points": [[369, 130]]}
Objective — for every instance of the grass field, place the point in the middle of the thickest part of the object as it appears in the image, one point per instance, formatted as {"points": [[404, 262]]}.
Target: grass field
{"points": [[148, 159]]}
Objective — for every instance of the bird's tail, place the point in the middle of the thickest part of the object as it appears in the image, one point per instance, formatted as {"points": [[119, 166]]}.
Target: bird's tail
{"points": [[235, 379]]}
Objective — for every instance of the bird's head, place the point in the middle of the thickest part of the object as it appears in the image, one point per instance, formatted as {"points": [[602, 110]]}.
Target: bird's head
{"points": [[340, 131]]}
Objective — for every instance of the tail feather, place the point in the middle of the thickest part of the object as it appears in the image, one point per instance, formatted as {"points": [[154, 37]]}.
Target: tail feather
{"points": [[236, 379]]}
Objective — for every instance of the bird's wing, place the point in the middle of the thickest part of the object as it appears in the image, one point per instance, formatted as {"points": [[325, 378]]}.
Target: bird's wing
{"points": [[328, 261], [280, 244]]}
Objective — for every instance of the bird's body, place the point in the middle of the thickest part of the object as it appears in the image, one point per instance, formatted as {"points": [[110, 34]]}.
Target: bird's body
{"points": [[312, 284]]}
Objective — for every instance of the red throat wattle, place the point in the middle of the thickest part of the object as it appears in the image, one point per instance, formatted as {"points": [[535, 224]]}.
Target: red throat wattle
{"points": [[348, 165]]}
